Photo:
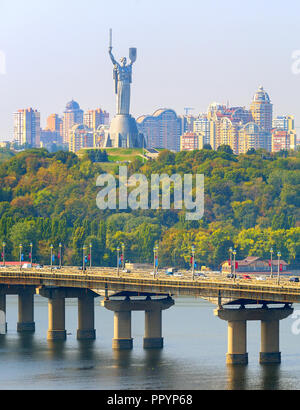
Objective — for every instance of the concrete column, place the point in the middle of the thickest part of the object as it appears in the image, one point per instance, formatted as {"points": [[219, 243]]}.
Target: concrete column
{"points": [[86, 318], [153, 330], [270, 342], [56, 313], [237, 319], [122, 330], [3, 310], [26, 311], [237, 343]]}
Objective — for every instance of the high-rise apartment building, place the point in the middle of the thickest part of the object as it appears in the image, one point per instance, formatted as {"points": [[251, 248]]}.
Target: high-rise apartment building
{"points": [[55, 124], [161, 130], [72, 115], [249, 137], [203, 125], [281, 140], [80, 136], [94, 118], [190, 141], [225, 123], [27, 127], [262, 114]]}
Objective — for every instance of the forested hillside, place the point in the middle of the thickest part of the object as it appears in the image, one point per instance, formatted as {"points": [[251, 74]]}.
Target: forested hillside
{"points": [[252, 202]]}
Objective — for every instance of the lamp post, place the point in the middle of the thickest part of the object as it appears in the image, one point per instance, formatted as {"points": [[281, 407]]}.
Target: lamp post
{"points": [[193, 261], [3, 252], [60, 254], [278, 275], [83, 258], [271, 252], [31, 246], [91, 254], [123, 255], [51, 261], [155, 267], [230, 251], [234, 270], [118, 260], [20, 247]]}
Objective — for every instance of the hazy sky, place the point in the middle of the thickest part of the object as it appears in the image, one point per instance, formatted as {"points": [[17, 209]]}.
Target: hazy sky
{"points": [[190, 53]]}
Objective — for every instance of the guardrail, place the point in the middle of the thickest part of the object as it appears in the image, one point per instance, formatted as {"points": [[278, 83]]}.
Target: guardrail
{"points": [[143, 281]]}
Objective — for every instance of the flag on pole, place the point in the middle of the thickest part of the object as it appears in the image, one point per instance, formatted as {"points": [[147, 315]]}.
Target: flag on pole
{"points": [[53, 258], [22, 257]]}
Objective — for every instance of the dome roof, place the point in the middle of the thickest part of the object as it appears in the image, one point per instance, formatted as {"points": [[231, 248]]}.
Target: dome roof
{"points": [[72, 105], [261, 95]]}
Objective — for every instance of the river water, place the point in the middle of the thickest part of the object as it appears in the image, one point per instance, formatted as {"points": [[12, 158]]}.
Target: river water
{"points": [[193, 356]]}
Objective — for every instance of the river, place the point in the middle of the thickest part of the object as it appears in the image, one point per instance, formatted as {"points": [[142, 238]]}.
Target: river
{"points": [[193, 356]]}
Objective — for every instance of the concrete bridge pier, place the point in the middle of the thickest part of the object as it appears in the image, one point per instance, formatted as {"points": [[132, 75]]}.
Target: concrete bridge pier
{"points": [[86, 317], [153, 330], [122, 330], [3, 323], [237, 335], [26, 311], [56, 317], [237, 342], [153, 320]]}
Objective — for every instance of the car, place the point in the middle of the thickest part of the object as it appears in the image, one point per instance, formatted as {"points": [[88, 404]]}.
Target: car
{"points": [[171, 271], [230, 276], [39, 267], [294, 279], [246, 277], [178, 274], [201, 275], [126, 271], [261, 278], [26, 266]]}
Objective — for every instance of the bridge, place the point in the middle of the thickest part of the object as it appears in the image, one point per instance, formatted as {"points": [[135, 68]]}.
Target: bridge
{"points": [[237, 302]]}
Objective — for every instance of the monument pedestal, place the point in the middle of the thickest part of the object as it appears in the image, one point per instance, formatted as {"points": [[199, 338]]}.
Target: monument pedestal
{"points": [[123, 133]]}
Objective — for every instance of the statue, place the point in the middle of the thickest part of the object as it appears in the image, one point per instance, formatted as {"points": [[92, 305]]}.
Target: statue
{"points": [[123, 131], [123, 79]]}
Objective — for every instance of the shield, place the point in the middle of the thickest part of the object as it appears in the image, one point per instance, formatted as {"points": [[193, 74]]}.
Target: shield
{"points": [[133, 54]]}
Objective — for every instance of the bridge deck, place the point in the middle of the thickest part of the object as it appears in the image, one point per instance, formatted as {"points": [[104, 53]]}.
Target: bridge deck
{"points": [[106, 279]]}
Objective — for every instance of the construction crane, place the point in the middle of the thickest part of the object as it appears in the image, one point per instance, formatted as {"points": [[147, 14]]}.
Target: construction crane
{"points": [[188, 109]]}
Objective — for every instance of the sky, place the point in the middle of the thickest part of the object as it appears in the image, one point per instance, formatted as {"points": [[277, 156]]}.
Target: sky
{"points": [[190, 54]]}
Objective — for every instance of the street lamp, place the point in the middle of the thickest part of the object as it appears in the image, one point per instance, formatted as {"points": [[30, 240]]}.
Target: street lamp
{"points": [[91, 255], [278, 275], [156, 260], [118, 260], [193, 261], [230, 251], [31, 246], [20, 247], [155, 267], [271, 252], [51, 261], [234, 265], [3, 252], [83, 258], [60, 254], [123, 255]]}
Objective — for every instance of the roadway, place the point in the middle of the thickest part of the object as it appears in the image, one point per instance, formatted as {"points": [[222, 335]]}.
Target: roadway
{"points": [[214, 287]]}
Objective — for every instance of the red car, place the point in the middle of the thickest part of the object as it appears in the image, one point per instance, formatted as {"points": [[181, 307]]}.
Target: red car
{"points": [[246, 277]]}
